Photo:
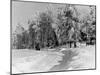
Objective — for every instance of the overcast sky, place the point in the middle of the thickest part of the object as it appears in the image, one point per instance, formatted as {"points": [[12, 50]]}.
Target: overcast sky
{"points": [[23, 11]]}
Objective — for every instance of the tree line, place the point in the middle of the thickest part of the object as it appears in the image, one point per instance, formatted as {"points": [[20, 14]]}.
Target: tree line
{"points": [[46, 32]]}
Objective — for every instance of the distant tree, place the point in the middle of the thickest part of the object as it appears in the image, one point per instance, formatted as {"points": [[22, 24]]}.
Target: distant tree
{"points": [[14, 41], [31, 43], [25, 39], [48, 35], [20, 38], [68, 25], [89, 23], [19, 31]]}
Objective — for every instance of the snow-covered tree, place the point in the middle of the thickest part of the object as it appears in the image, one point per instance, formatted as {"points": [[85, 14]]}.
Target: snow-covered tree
{"points": [[68, 28]]}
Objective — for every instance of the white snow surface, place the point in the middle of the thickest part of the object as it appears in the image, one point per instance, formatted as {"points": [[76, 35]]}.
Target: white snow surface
{"points": [[27, 61], [84, 60]]}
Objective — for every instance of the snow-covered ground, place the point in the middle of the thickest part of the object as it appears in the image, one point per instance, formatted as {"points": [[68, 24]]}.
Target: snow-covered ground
{"points": [[84, 60], [26, 61]]}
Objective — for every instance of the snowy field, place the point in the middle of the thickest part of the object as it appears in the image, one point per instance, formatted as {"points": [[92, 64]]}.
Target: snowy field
{"points": [[27, 61]]}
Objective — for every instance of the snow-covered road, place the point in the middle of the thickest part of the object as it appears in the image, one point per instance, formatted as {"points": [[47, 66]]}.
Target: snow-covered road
{"points": [[26, 61]]}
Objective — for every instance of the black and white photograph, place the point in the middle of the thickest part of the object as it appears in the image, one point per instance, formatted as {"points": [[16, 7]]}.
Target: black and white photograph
{"points": [[52, 37]]}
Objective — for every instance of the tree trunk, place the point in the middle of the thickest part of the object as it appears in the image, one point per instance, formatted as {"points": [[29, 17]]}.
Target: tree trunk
{"points": [[70, 43], [75, 45]]}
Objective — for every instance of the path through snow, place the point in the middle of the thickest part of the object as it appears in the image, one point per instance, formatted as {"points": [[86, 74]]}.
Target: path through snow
{"points": [[26, 61]]}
